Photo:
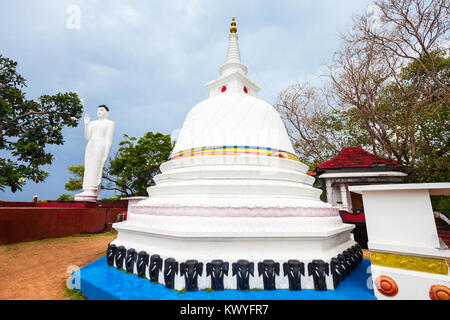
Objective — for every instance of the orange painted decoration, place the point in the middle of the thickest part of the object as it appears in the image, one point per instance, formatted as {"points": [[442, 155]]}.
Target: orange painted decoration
{"points": [[439, 292], [386, 286]]}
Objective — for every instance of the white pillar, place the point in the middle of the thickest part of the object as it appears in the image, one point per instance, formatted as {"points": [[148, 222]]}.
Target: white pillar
{"points": [[349, 199], [344, 196], [329, 190]]}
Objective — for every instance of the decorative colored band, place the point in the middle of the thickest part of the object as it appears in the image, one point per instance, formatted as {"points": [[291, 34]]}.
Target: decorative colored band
{"points": [[430, 265], [233, 150]]}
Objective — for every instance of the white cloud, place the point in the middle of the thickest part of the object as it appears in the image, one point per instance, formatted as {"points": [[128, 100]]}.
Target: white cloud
{"points": [[149, 60]]}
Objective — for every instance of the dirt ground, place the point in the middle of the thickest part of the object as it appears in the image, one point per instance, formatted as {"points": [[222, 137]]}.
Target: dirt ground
{"points": [[38, 270]]}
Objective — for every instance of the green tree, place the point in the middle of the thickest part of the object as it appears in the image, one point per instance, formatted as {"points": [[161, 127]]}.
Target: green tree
{"points": [[76, 182], [403, 111], [136, 163], [65, 197], [416, 114], [317, 131], [28, 126]]}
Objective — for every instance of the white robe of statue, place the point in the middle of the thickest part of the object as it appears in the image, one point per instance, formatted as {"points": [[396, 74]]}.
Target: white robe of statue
{"points": [[99, 135]]}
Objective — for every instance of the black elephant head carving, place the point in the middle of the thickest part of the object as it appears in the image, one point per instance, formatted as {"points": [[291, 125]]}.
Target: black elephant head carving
{"points": [[318, 269], [358, 253], [294, 269], [268, 269], [345, 265], [111, 254], [355, 256], [351, 259], [217, 269], [337, 272], [190, 270], [155, 267], [170, 270], [130, 260], [142, 263], [242, 270], [120, 257]]}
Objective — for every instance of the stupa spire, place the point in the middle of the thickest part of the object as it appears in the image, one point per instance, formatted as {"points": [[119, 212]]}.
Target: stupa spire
{"points": [[233, 26], [233, 54], [233, 74]]}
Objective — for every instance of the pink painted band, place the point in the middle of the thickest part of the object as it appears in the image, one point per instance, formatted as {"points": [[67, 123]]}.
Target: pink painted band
{"points": [[238, 212]]}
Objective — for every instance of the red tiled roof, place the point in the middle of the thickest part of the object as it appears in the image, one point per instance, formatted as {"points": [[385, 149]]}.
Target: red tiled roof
{"points": [[356, 157]]}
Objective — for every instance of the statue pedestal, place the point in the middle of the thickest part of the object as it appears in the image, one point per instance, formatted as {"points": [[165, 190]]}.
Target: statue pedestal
{"points": [[83, 198]]}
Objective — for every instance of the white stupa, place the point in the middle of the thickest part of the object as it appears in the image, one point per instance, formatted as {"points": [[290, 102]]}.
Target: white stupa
{"points": [[234, 190]]}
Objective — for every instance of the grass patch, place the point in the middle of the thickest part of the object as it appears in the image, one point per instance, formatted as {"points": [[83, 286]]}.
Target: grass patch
{"points": [[44, 241], [182, 291], [95, 235], [72, 294]]}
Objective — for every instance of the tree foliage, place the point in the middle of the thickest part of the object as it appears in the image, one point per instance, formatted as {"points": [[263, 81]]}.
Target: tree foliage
{"points": [[28, 126], [317, 132], [388, 92], [76, 181], [136, 163], [65, 197]]}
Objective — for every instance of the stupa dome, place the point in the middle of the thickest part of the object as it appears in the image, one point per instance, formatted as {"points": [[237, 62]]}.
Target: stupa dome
{"points": [[233, 119]]}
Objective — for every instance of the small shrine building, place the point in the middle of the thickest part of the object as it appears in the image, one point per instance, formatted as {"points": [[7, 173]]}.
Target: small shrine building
{"points": [[355, 166]]}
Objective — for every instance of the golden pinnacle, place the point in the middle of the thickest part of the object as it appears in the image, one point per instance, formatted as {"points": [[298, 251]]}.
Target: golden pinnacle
{"points": [[233, 26]]}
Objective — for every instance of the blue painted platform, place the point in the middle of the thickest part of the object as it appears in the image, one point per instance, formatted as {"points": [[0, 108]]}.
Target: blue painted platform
{"points": [[98, 281]]}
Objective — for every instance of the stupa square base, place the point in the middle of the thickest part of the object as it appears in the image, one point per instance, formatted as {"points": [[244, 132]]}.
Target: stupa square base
{"points": [[272, 251], [234, 245], [98, 281]]}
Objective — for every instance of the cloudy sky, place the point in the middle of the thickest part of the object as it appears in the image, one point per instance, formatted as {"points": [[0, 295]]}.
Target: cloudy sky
{"points": [[149, 60]]}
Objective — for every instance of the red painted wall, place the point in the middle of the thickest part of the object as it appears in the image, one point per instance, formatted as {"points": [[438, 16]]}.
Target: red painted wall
{"points": [[29, 224], [16, 204], [65, 204], [115, 204]]}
